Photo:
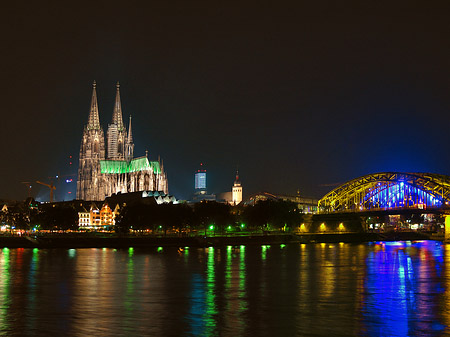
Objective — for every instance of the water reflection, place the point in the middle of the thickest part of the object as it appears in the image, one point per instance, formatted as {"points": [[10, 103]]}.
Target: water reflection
{"points": [[5, 278], [379, 289], [402, 289], [224, 278], [32, 290], [203, 311]]}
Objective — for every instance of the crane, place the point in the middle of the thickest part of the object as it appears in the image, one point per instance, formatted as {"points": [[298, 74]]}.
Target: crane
{"points": [[28, 183], [50, 186]]}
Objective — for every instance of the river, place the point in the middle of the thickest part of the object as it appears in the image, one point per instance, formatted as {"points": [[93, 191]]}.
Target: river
{"points": [[372, 289]]}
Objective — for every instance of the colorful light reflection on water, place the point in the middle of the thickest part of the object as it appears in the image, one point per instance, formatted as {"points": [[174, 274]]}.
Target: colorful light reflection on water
{"points": [[376, 289], [403, 288]]}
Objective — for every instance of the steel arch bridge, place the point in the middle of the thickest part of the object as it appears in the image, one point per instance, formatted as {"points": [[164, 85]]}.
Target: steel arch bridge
{"points": [[388, 190]]}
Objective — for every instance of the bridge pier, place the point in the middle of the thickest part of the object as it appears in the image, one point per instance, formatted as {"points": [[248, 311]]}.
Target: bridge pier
{"points": [[337, 223], [358, 221], [447, 228]]}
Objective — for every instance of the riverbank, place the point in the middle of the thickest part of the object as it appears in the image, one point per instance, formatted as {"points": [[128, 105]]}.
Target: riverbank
{"points": [[99, 240]]}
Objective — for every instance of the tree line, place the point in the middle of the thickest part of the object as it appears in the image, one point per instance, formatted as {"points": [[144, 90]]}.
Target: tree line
{"points": [[210, 216], [207, 216]]}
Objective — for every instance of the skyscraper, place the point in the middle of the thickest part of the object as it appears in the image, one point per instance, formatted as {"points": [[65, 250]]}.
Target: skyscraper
{"points": [[200, 184], [99, 177], [200, 179]]}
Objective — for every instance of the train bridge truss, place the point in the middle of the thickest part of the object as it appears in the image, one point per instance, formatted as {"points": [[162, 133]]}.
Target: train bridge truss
{"points": [[389, 190]]}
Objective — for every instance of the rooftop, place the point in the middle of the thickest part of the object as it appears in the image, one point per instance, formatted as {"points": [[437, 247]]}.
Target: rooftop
{"points": [[123, 166]]}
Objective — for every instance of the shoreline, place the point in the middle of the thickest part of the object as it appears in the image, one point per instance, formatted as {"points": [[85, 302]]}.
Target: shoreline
{"points": [[120, 241]]}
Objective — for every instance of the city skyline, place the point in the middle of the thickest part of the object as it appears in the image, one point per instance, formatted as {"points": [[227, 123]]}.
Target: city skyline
{"points": [[299, 97]]}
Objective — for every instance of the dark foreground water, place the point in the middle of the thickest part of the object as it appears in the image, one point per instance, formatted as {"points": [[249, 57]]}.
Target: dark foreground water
{"points": [[377, 289]]}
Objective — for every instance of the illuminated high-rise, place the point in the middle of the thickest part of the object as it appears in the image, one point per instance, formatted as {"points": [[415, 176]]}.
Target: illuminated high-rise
{"points": [[200, 184], [200, 179]]}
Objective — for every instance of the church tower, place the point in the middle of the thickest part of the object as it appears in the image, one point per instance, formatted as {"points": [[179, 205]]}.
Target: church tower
{"points": [[116, 135], [236, 193], [129, 145], [92, 150]]}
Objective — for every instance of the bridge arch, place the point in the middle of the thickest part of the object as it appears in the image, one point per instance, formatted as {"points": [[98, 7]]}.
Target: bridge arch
{"points": [[388, 190]]}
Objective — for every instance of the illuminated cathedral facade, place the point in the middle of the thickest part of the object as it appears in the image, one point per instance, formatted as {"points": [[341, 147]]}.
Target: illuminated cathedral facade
{"points": [[106, 168]]}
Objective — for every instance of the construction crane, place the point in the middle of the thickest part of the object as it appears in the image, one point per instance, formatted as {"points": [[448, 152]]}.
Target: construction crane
{"points": [[50, 186], [28, 183], [65, 178]]}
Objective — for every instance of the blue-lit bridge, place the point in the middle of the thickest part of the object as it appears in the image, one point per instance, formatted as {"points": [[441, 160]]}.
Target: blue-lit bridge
{"points": [[390, 191], [367, 202]]}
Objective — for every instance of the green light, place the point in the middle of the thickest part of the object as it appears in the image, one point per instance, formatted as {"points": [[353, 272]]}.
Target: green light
{"points": [[242, 275], [160, 249], [122, 166], [34, 266], [210, 300], [263, 252], [228, 269], [5, 281], [282, 246], [242, 225], [72, 252], [129, 297], [211, 227]]}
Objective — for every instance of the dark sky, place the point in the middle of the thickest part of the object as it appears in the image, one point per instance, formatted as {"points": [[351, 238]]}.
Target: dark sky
{"points": [[298, 96]]}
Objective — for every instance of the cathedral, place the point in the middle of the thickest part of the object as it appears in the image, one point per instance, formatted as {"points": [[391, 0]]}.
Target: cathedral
{"points": [[100, 176]]}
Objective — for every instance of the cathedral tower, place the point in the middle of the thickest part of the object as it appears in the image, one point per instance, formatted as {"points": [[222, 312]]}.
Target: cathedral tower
{"points": [[116, 131], [129, 146], [92, 150]]}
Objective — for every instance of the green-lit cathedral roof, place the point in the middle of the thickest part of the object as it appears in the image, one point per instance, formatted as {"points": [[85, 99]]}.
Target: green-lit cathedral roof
{"points": [[122, 166]]}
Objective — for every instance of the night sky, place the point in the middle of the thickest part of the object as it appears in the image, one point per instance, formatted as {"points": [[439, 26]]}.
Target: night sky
{"points": [[300, 96]]}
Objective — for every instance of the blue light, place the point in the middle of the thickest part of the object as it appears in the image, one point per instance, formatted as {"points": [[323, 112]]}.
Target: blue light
{"points": [[399, 195], [394, 293]]}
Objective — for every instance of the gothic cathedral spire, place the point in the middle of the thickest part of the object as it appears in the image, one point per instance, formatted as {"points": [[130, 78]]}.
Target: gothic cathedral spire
{"points": [[94, 121], [129, 145], [116, 132], [130, 136], [117, 114], [92, 150]]}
